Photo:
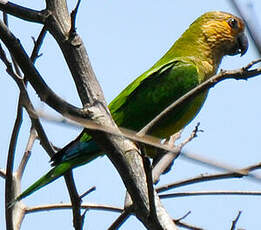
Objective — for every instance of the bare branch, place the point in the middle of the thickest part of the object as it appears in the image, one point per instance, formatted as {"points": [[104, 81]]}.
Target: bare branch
{"points": [[29, 70], [10, 183], [182, 224], [50, 207], [25, 100], [203, 178], [92, 189], [2, 173], [37, 45], [73, 20], [27, 153], [206, 193], [75, 199], [186, 225], [120, 220], [23, 12], [234, 222], [183, 217], [169, 157]]}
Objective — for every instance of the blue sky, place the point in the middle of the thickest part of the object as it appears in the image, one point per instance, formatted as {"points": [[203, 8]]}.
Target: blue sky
{"points": [[123, 39]]}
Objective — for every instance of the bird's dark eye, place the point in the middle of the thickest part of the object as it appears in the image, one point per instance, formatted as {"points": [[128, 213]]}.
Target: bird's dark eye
{"points": [[233, 23]]}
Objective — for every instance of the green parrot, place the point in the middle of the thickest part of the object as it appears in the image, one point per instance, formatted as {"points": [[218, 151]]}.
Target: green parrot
{"points": [[192, 59]]}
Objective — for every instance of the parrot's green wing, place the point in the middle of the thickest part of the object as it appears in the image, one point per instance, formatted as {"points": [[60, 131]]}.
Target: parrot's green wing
{"points": [[124, 95], [152, 92]]}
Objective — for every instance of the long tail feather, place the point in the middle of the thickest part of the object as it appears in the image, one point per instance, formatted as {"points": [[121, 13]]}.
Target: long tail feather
{"points": [[52, 175]]}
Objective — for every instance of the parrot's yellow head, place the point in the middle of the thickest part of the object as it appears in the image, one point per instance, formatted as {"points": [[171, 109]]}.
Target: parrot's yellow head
{"points": [[224, 33]]}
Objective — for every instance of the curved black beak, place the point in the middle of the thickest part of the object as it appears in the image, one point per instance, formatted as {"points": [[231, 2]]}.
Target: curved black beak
{"points": [[242, 43]]}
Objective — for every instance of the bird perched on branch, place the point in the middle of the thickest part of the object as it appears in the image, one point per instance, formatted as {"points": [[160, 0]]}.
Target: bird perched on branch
{"points": [[192, 59]]}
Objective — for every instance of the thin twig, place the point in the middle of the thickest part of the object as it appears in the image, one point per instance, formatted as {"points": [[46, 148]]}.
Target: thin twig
{"points": [[193, 135], [92, 189], [37, 44], [207, 193], [183, 217], [51, 207], [120, 220], [27, 153], [73, 19], [24, 97], [186, 225], [204, 178], [169, 157], [33, 76], [234, 222], [2, 173]]}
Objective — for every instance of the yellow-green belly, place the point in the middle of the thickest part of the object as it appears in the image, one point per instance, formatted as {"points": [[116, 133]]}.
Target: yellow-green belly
{"points": [[179, 118]]}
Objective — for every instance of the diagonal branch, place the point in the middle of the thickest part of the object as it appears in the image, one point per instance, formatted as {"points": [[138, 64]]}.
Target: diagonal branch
{"points": [[73, 19], [204, 178], [209, 193], [33, 76], [234, 222], [27, 153], [23, 12], [169, 157], [120, 220], [37, 44], [2, 173]]}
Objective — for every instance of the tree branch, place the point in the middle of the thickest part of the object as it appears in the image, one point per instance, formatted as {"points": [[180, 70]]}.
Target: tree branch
{"points": [[234, 222], [33, 76], [169, 157], [207, 193], [23, 12], [186, 225], [11, 185], [37, 45], [73, 19], [75, 199], [204, 178], [50, 207], [120, 220], [27, 153], [2, 173]]}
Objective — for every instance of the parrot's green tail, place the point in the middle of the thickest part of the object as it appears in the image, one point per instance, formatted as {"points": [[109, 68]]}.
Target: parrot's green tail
{"points": [[52, 175], [73, 155]]}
